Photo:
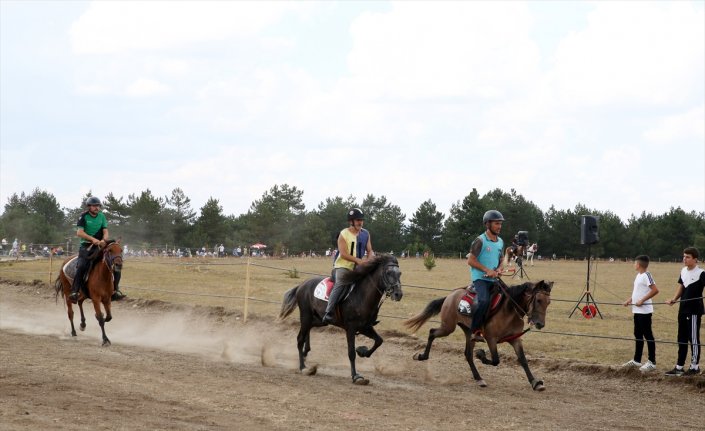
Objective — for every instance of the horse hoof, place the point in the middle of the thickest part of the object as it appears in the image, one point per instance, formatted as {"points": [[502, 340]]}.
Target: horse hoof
{"points": [[419, 357], [109, 318], [106, 343], [537, 385], [310, 371], [482, 383], [359, 380], [362, 352]]}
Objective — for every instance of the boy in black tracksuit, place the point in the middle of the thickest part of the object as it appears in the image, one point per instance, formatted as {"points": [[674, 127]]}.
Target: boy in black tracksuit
{"points": [[690, 291]]}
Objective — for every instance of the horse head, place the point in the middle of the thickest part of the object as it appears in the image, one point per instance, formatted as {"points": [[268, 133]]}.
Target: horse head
{"points": [[112, 254], [539, 299], [391, 279]]}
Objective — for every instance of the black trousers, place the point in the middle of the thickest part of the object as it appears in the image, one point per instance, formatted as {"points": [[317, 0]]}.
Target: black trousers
{"points": [[82, 265], [689, 332], [642, 331]]}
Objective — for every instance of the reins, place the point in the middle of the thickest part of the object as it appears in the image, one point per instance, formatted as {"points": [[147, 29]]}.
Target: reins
{"points": [[518, 309]]}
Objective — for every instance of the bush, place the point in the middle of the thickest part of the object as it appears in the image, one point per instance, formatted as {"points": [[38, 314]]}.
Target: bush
{"points": [[293, 273], [429, 261]]}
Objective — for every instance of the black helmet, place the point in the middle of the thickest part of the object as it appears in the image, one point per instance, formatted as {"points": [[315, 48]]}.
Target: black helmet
{"points": [[492, 215], [93, 201], [355, 214]]}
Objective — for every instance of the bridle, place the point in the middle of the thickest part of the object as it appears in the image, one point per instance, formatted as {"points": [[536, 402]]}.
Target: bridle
{"points": [[110, 259], [518, 308], [389, 286]]}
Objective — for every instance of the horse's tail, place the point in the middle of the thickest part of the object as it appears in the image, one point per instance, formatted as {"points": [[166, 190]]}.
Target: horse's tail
{"points": [[433, 308], [289, 303], [58, 287]]}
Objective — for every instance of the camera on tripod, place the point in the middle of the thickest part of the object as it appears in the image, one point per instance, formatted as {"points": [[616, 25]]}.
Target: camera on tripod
{"points": [[523, 237]]}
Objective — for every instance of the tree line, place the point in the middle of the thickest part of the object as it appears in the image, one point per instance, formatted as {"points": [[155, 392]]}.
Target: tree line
{"points": [[280, 220]]}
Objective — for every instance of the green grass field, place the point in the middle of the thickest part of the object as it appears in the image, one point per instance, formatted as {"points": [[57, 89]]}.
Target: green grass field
{"points": [[189, 281]]}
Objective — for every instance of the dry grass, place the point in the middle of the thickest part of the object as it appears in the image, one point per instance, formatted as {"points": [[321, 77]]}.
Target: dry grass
{"points": [[270, 278]]}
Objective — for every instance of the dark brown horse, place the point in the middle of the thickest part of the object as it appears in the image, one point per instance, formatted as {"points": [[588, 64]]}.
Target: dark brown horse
{"points": [[357, 314], [504, 324], [98, 288]]}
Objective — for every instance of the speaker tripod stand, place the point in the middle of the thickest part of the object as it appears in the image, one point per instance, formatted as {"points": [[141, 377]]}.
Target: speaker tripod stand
{"points": [[522, 272], [590, 304]]}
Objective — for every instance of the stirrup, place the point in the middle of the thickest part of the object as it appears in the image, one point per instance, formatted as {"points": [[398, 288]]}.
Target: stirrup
{"points": [[328, 317]]}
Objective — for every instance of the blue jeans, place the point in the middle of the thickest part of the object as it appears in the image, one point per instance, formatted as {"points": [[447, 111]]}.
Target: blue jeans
{"points": [[483, 288]]}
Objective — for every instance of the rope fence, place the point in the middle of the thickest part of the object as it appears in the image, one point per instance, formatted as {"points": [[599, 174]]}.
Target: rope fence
{"points": [[247, 297]]}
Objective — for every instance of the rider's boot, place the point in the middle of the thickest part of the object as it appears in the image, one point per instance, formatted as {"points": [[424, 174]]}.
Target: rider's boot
{"points": [[329, 316], [75, 288], [117, 295]]}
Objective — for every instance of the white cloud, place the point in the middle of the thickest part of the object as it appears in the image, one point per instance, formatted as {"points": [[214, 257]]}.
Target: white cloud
{"points": [[118, 26], [671, 129], [146, 87], [450, 50], [632, 52]]}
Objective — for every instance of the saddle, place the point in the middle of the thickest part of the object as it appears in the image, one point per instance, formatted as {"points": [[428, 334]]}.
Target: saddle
{"points": [[70, 268], [324, 287], [467, 304]]}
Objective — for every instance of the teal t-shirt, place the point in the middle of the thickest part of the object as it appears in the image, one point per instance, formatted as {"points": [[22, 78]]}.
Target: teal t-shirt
{"points": [[490, 257], [93, 226]]}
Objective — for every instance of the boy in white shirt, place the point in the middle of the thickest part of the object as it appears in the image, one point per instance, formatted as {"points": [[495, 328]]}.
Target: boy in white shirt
{"points": [[644, 289]]}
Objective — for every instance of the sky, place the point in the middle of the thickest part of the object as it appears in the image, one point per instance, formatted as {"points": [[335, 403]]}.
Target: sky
{"points": [[593, 103]]}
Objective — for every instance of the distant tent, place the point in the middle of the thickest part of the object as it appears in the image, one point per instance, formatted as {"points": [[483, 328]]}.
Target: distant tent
{"points": [[258, 246]]}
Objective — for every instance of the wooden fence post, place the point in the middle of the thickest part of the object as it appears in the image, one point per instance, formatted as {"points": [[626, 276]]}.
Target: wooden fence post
{"points": [[247, 290], [51, 255]]}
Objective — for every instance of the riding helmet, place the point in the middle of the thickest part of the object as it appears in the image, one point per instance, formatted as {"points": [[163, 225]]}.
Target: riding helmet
{"points": [[355, 214], [93, 201], [492, 215]]}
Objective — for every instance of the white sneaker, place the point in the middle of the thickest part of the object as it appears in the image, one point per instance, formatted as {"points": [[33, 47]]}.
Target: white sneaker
{"points": [[648, 366], [631, 364]]}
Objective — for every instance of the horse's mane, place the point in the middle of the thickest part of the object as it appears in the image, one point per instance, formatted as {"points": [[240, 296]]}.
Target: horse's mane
{"points": [[516, 292], [369, 267]]}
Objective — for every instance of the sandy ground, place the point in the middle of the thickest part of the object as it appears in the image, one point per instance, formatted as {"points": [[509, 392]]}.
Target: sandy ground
{"points": [[181, 368]]}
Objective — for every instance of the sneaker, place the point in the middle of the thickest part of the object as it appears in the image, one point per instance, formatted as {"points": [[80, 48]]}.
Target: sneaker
{"points": [[631, 364], [648, 366], [692, 372], [675, 372]]}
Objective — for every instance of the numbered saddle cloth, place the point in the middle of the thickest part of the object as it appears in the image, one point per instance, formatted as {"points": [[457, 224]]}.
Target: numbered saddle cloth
{"points": [[467, 302]]}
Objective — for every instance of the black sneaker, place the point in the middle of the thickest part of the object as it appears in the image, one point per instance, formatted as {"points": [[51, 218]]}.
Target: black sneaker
{"points": [[675, 372], [691, 372], [117, 296]]}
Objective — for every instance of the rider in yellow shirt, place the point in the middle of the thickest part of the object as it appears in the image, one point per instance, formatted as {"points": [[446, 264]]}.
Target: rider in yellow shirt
{"points": [[353, 243]]}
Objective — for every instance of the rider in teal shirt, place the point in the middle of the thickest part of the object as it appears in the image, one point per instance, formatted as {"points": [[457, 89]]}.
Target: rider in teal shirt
{"points": [[485, 260]]}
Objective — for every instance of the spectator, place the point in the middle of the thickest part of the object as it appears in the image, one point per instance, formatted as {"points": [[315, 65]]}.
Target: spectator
{"points": [[690, 312], [644, 289]]}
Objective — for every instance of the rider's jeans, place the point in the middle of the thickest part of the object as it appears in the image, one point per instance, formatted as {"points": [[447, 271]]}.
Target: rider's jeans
{"points": [[483, 288]]}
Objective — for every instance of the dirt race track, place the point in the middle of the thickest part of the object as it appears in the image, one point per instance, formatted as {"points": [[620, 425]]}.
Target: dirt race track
{"points": [[176, 368]]}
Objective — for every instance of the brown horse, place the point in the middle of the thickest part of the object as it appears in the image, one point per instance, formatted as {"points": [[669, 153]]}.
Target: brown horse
{"points": [[514, 255], [505, 323], [98, 288]]}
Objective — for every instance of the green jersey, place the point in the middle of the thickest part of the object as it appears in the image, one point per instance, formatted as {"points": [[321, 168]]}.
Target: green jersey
{"points": [[93, 226]]}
